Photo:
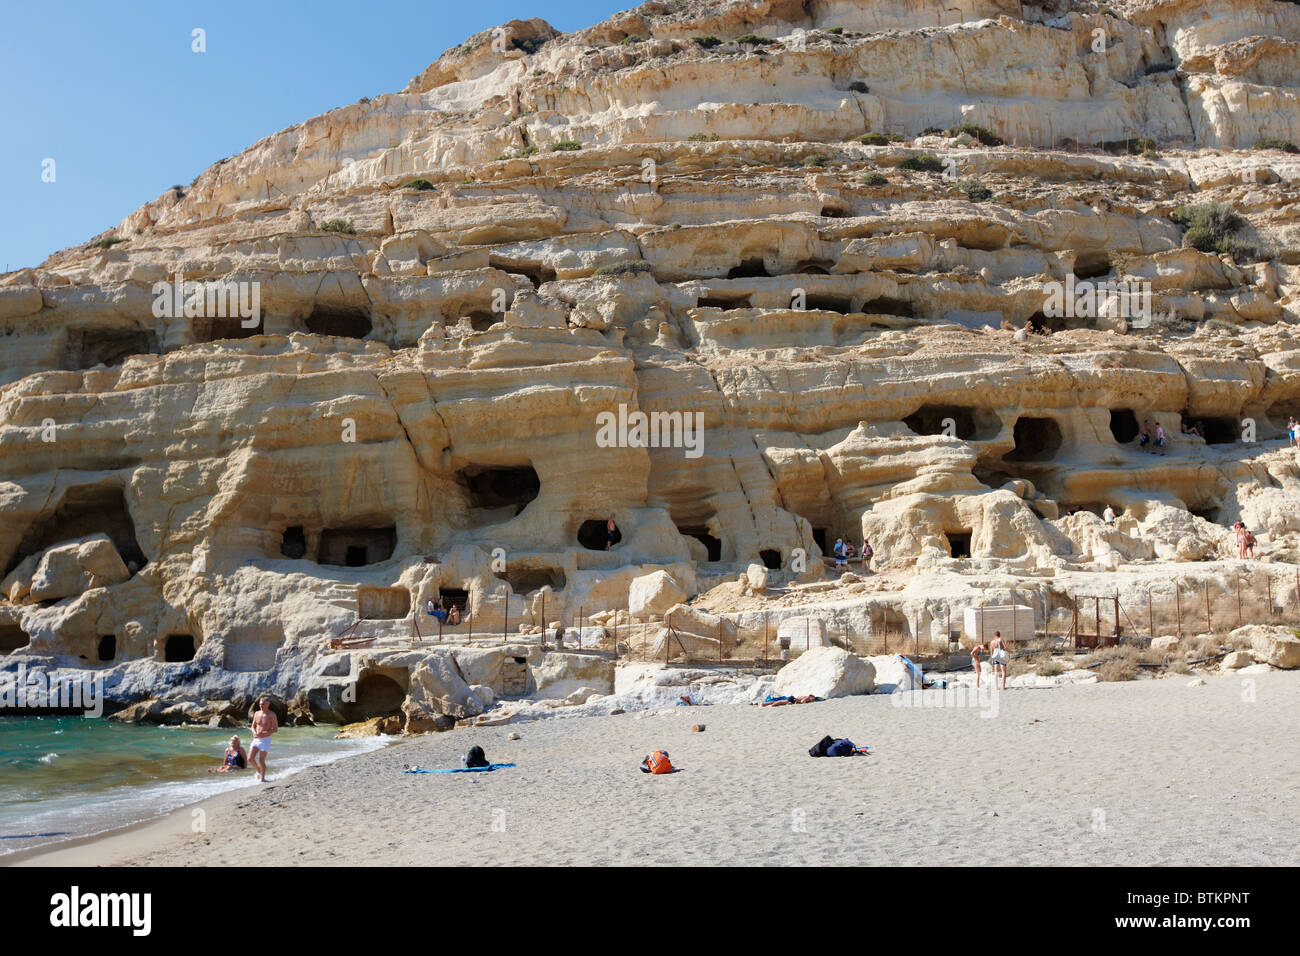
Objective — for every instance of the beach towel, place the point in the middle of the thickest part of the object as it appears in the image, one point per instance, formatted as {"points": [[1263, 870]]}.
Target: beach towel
{"points": [[491, 766]]}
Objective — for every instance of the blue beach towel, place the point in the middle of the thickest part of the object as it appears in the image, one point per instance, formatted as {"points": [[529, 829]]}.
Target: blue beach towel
{"points": [[492, 766]]}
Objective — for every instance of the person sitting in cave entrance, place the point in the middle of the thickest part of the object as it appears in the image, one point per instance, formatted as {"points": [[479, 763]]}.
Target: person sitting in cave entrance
{"points": [[611, 529], [453, 615], [235, 758], [1199, 429], [1108, 515], [867, 555], [437, 610], [850, 552], [1144, 435]]}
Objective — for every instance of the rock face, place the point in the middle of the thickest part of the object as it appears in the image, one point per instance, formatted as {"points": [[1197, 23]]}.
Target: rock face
{"points": [[747, 297], [826, 672]]}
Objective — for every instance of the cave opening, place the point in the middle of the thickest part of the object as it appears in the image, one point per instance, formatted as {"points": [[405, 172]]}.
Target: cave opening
{"points": [[1218, 431], [1036, 439], [829, 303], [455, 597], [12, 637], [527, 580], [819, 538], [86, 348], [537, 274], [887, 305], [218, 328], [356, 547], [771, 558], [712, 545], [814, 267], [481, 321], [959, 421], [86, 510], [377, 695], [345, 322], [502, 487], [834, 212], [750, 269], [383, 604], [107, 649], [1040, 323], [723, 302], [1123, 425], [591, 535], [1092, 265], [1208, 512], [293, 543], [178, 648], [958, 543]]}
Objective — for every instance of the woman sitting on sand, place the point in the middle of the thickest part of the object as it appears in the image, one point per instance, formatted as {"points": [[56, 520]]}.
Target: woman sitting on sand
{"points": [[235, 758]]}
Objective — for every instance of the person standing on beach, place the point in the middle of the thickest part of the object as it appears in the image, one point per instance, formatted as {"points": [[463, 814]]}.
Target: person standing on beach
{"points": [[1160, 437], [867, 555], [999, 657], [975, 653], [264, 725]]}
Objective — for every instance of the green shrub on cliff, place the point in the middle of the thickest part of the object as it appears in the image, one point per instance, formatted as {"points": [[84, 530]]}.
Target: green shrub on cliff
{"points": [[1210, 228], [925, 163], [985, 135]]}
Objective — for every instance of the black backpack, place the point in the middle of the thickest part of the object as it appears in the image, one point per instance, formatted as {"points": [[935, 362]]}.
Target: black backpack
{"points": [[819, 749], [476, 758]]}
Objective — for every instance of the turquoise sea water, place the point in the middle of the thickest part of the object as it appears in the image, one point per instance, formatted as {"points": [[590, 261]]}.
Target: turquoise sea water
{"points": [[66, 777]]}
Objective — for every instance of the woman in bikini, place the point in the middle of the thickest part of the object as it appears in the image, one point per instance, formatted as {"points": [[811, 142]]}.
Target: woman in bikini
{"points": [[975, 654]]}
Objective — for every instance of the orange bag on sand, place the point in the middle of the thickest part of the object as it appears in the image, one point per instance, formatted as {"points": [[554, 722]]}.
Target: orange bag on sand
{"points": [[657, 762]]}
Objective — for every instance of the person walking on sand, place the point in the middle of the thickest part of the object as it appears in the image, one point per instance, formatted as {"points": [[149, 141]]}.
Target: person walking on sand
{"points": [[975, 653], [1000, 658], [264, 725]]}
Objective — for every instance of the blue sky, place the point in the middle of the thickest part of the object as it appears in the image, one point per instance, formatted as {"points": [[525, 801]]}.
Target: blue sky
{"points": [[113, 93]]}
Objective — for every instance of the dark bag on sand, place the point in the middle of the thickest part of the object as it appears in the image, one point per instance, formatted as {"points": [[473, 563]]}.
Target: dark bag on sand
{"points": [[476, 757], [820, 748], [840, 748]]}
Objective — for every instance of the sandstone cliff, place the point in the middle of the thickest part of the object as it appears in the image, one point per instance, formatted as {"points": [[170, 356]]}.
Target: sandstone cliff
{"points": [[682, 210]]}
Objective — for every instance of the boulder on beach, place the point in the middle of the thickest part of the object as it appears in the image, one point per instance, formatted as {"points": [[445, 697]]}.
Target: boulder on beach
{"points": [[1271, 644], [826, 672], [652, 594]]}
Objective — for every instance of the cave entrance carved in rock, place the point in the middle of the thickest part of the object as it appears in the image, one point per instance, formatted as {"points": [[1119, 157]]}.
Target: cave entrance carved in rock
{"points": [[1036, 439]]}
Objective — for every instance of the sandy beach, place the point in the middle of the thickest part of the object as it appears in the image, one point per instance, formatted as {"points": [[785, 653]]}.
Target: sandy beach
{"points": [[1148, 772]]}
